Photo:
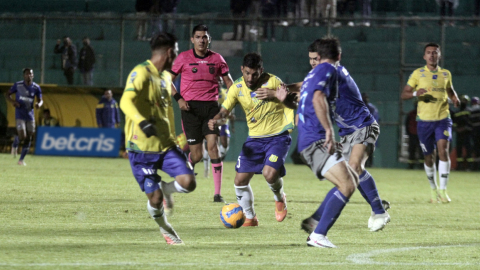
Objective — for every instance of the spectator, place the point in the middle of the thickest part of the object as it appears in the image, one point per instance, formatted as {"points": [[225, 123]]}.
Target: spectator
{"points": [[475, 123], [86, 62], [366, 11], [374, 111], [69, 57], [282, 11], [414, 150], [313, 11], [447, 7], [166, 9], [461, 124], [47, 120], [328, 8], [347, 5], [108, 115], [142, 7], [268, 12], [239, 10]]}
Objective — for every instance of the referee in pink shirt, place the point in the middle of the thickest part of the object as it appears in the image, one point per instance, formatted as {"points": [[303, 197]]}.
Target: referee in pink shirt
{"points": [[198, 98]]}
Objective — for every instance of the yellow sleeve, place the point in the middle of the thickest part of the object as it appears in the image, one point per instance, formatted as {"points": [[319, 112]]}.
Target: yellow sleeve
{"points": [[232, 98], [275, 82], [449, 81], [413, 80], [128, 106], [136, 79]]}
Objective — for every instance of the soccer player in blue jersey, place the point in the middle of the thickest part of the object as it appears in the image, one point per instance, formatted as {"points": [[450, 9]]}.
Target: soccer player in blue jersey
{"points": [[150, 133], [25, 92], [432, 85], [316, 138], [269, 124]]}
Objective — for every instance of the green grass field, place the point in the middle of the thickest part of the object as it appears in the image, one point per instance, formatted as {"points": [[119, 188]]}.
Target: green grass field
{"points": [[89, 213]]}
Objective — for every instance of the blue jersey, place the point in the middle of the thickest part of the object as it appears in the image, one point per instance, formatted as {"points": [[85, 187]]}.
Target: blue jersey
{"points": [[322, 78], [351, 113], [107, 113], [25, 96]]}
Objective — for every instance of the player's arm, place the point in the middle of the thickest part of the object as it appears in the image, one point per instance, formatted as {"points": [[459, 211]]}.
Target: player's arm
{"points": [[129, 109], [219, 119], [409, 89], [289, 99], [451, 92], [227, 79], [176, 95], [320, 105], [295, 87], [39, 99], [8, 96]]}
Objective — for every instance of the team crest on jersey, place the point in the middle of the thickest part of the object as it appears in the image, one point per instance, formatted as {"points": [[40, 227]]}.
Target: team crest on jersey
{"points": [[194, 70], [211, 70], [423, 75], [422, 70], [273, 158], [434, 77], [240, 94], [446, 133], [239, 85], [445, 74]]}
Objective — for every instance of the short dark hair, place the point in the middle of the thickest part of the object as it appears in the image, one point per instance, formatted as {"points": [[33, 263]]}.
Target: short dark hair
{"points": [[27, 69], [329, 48], [431, 44], [199, 27], [313, 47], [162, 40], [252, 60]]}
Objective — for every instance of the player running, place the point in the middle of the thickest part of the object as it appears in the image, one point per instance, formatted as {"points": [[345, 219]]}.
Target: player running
{"points": [[150, 132], [198, 97], [269, 123], [25, 92], [432, 85]]}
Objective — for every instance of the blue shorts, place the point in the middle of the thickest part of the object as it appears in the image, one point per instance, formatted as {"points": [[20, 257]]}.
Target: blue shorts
{"points": [[429, 133], [258, 152], [145, 166], [224, 131]]}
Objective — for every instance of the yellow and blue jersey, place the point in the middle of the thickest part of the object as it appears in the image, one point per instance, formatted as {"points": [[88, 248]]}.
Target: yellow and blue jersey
{"points": [[151, 96], [433, 105], [265, 118]]}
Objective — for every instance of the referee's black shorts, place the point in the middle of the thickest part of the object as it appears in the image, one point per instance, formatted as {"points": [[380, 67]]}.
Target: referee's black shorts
{"points": [[195, 121]]}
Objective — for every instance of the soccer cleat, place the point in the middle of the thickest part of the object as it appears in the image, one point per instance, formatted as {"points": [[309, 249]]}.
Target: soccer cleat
{"points": [[434, 197], [370, 220], [320, 241], [442, 194], [281, 209], [309, 224], [22, 163], [171, 236], [14, 152], [218, 198], [251, 222], [379, 222]]}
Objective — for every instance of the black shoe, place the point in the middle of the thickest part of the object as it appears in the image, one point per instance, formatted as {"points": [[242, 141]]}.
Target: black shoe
{"points": [[218, 198], [386, 205]]}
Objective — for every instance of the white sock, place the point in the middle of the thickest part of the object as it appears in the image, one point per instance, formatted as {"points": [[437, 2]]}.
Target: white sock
{"points": [[245, 199], [277, 189], [444, 172], [158, 216], [431, 175], [172, 187]]}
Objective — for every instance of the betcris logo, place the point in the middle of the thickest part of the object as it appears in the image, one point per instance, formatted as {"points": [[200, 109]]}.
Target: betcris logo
{"points": [[93, 142]]}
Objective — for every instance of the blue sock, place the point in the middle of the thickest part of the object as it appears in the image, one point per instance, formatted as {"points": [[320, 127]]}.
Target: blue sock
{"points": [[318, 214], [16, 142], [334, 207], [368, 187], [26, 147]]}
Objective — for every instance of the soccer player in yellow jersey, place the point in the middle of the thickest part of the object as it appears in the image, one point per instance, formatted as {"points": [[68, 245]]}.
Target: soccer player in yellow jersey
{"points": [[432, 85], [150, 133], [269, 123]]}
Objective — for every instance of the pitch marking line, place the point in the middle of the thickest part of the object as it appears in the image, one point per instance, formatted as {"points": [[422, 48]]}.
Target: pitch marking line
{"points": [[355, 259], [365, 258]]}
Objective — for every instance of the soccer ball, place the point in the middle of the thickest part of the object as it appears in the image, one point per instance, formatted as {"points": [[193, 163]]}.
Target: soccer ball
{"points": [[232, 216]]}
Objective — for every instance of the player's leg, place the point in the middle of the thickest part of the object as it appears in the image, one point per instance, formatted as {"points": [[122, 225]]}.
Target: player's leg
{"points": [[145, 172], [21, 134], [224, 144], [426, 136], [16, 142], [210, 110], [443, 136], [176, 165], [245, 197], [206, 160], [276, 150], [192, 128], [346, 182]]}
